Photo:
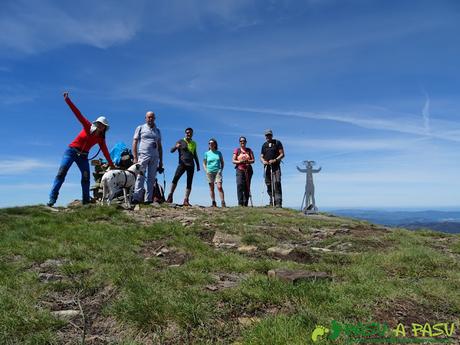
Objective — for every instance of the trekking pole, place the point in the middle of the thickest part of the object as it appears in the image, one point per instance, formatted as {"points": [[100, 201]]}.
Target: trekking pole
{"points": [[248, 186], [272, 185]]}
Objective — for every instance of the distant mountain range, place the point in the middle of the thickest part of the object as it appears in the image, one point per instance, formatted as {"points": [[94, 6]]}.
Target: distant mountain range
{"points": [[445, 221]]}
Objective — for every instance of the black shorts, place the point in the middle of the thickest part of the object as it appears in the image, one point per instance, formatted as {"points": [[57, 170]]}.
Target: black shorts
{"points": [[181, 168]]}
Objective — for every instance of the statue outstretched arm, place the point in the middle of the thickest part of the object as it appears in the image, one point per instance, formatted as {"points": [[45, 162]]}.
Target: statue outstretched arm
{"points": [[316, 170], [301, 170]]}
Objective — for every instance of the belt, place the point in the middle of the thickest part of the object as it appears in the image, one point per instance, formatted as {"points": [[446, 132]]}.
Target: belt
{"points": [[79, 151]]}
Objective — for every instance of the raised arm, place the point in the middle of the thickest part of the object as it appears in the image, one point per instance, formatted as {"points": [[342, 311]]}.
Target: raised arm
{"points": [[175, 147], [301, 170], [316, 170], [83, 120]]}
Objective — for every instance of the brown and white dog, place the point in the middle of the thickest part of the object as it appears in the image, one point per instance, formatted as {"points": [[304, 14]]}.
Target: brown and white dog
{"points": [[115, 180]]}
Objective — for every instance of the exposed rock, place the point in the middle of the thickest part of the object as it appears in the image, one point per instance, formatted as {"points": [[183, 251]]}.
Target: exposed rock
{"points": [[344, 246], [281, 251], [224, 281], [247, 249], [66, 314], [248, 321], [137, 208], [294, 276], [75, 203], [221, 239], [51, 263], [324, 250], [48, 277]]}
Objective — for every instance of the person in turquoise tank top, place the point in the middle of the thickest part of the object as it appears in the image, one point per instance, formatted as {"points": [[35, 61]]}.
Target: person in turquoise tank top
{"points": [[213, 164]]}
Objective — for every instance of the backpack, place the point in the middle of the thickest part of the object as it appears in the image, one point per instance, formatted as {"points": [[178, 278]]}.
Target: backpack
{"points": [[158, 192], [249, 151]]}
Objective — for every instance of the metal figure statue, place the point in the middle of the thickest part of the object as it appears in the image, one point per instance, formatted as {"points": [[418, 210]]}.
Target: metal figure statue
{"points": [[309, 196]]}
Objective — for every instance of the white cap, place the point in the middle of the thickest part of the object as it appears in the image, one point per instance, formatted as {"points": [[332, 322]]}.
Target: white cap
{"points": [[103, 120]]}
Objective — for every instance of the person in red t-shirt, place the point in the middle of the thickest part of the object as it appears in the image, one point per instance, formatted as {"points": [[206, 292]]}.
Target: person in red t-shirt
{"points": [[91, 134]]}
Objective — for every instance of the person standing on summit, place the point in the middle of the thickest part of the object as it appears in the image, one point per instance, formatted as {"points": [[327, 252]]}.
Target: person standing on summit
{"points": [[148, 152], [187, 160], [271, 155], [91, 134]]}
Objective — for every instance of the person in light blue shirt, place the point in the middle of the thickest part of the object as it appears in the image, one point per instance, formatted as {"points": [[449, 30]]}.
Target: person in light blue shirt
{"points": [[213, 164]]}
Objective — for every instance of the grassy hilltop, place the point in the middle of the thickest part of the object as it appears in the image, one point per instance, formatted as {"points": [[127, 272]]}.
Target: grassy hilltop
{"points": [[164, 275]]}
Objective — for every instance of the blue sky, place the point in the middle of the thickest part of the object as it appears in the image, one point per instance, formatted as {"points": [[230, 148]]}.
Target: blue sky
{"points": [[368, 89]]}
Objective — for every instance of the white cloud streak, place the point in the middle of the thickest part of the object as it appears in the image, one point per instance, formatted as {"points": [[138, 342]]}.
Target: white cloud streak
{"points": [[30, 27], [21, 166], [426, 113]]}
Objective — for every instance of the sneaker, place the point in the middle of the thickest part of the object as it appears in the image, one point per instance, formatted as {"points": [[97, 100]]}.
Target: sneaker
{"points": [[223, 204], [169, 200], [186, 203], [214, 204]]}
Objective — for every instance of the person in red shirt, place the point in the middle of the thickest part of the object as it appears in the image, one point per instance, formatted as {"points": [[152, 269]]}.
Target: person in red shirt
{"points": [[91, 134]]}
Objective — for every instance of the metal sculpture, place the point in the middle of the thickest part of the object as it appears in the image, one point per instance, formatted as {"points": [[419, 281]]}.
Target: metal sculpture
{"points": [[309, 196]]}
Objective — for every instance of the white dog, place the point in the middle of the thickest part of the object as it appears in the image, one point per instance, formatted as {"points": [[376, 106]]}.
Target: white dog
{"points": [[115, 180]]}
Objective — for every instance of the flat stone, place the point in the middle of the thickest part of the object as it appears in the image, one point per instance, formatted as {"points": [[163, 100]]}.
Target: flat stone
{"points": [[248, 321], [66, 314], [137, 208], [247, 249], [221, 239], [279, 251], [48, 277], [324, 250], [51, 263], [294, 276]]}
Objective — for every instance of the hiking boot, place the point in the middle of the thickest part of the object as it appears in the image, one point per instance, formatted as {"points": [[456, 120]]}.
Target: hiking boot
{"points": [[223, 204], [169, 200], [214, 204], [186, 203]]}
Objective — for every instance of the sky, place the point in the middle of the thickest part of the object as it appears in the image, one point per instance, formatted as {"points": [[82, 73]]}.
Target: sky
{"points": [[368, 89]]}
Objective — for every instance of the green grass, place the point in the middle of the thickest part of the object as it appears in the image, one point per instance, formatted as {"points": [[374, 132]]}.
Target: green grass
{"points": [[104, 249]]}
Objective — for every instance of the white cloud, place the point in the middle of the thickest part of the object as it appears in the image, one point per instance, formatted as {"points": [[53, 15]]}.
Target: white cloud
{"points": [[20, 166], [31, 27], [348, 144]]}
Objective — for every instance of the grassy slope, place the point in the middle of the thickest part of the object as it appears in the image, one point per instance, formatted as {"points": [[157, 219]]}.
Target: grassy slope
{"points": [[106, 266]]}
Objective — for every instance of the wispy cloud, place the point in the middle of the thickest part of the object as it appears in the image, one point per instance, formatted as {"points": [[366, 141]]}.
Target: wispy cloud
{"points": [[349, 144], [381, 119], [21, 166], [426, 113], [29, 27]]}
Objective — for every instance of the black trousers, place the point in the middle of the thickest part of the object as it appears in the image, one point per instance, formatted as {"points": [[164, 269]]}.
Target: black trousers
{"points": [[181, 168], [243, 185], [278, 197]]}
